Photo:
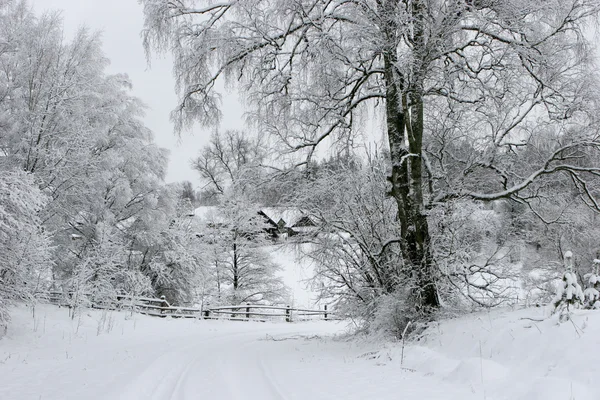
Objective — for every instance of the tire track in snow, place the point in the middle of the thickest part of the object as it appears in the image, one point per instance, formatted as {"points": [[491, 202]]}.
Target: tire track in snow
{"points": [[205, 370], [165, 368], [234, 372], [262, 373], [237, 367]]}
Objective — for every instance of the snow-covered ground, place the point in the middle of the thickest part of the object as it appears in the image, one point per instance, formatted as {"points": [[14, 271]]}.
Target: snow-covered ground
{"points": [[296, 272], [503, 355], [516, 355]]}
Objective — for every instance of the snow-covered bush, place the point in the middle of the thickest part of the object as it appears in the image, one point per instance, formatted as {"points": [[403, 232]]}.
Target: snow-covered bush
{"points": [[592, 292], [392, 315], [569, 292], [355, 251], [175, 270]]}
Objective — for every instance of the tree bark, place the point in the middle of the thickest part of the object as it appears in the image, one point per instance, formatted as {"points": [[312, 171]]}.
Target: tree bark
{"points": [[405, 125]]}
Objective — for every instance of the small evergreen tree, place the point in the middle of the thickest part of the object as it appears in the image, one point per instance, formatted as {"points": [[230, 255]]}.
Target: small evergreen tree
{"points": [[592, 293], [569, 291]]}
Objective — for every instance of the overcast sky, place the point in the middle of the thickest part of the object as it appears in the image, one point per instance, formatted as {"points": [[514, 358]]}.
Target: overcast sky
{"points": [[121, 22]]}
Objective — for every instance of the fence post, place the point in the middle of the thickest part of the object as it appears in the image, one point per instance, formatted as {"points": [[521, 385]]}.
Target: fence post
{"points": [[325, 312], [163, 304], [206, 314], [248, 311], [288, 314]]}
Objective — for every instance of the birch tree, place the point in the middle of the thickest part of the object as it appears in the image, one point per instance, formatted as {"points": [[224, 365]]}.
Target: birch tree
{"points": [[465, 87]]}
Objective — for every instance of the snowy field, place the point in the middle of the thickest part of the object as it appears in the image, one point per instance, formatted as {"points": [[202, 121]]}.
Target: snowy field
{"points": [[503, 355]]}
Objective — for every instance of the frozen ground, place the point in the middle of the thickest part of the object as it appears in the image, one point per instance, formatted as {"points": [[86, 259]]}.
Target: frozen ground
{"points": [[496, 356]]}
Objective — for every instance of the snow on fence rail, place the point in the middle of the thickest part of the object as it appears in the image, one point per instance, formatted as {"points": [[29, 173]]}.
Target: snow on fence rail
{"points": [[261, 312], [161, 308]]}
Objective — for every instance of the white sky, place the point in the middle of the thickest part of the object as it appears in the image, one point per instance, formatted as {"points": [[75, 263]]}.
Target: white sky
{"points": [[121, 22]]}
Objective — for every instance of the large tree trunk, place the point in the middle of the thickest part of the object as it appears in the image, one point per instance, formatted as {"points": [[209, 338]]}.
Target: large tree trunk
{"points": [[404, 117]]}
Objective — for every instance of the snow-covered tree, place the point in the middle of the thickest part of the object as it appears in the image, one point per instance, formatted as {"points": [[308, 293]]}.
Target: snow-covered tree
{"points": [[233, 235], [25, 261], [231, 160], [79, 133], [592, 292], [356, 254], [569, 293], [177, 270], [464, 88]]}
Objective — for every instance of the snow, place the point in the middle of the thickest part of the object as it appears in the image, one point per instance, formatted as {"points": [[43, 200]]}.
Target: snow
{"points": [[206, 213], [568, 254], [296, 273], [516, 355], [500, 355]]}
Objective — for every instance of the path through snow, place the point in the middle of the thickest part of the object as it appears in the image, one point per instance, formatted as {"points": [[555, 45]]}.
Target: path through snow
{"points": [[504, 355], [53, 358], [284, 362]]}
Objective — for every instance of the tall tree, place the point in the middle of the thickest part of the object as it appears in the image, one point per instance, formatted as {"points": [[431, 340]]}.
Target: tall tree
{"points": [[465, 86], [76, 135], [234, 238]]}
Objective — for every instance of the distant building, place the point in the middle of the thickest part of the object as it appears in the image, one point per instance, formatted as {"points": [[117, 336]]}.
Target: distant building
{"points": [[288, 221], [280, 222]]}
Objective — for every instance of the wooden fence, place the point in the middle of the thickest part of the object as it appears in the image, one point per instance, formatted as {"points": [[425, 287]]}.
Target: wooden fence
{"points": [[161, 308], [261, 312]]}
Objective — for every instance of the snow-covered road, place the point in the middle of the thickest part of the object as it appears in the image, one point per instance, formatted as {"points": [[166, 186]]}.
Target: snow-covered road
{"points": [[274, 362], [153, 359], [218, 365], [505, 355]]}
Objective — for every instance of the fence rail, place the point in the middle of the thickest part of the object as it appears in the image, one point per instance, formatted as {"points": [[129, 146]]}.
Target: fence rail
{"points": [[262, 312], [160, 307]]}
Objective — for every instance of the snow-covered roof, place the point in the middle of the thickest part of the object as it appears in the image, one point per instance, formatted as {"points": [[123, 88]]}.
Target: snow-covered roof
{"points": [[288, 215]]}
